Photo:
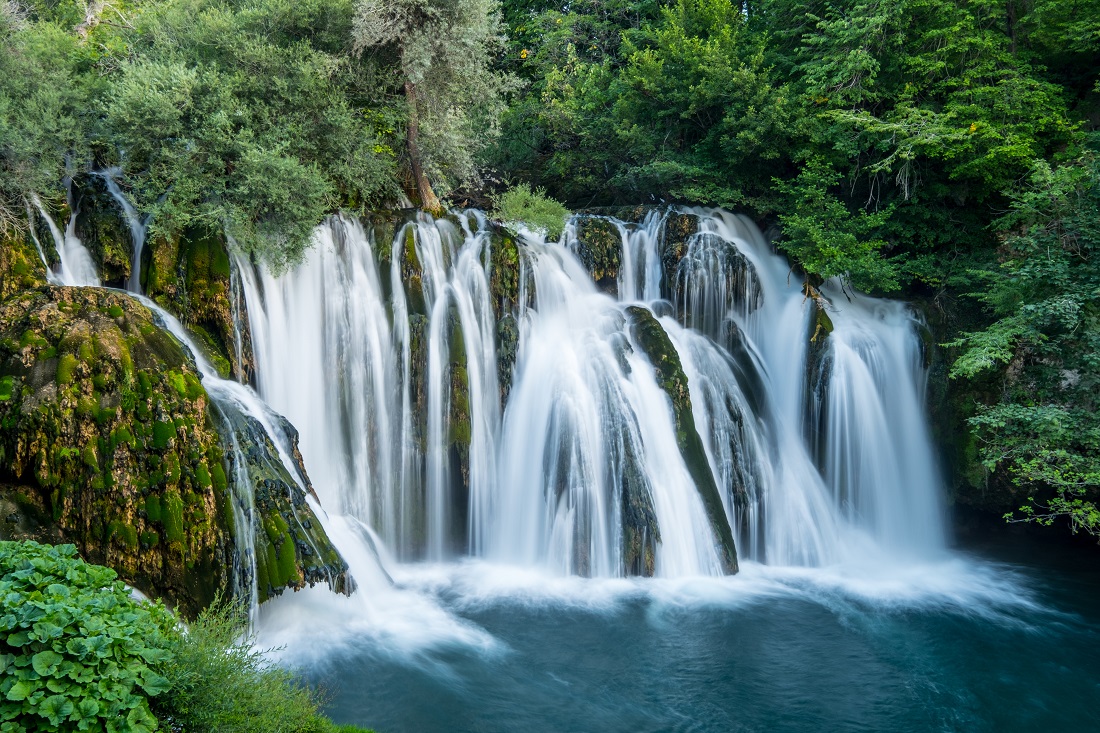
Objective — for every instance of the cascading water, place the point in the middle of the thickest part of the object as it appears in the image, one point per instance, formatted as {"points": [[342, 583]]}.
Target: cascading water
{"points": [[135, 221], [331, 317], [588, 467], [76, 264]]}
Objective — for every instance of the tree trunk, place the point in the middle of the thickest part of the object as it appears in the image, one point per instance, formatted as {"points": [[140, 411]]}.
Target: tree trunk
{"points": [[428, 200]]}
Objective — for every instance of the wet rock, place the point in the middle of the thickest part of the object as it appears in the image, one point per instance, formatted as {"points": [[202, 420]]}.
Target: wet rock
{"points": [[651, 338]]}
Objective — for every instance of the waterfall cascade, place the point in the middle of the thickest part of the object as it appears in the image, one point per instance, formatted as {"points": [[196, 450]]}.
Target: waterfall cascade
{"points": [[637, 432], [76, 266], [134, 221]]}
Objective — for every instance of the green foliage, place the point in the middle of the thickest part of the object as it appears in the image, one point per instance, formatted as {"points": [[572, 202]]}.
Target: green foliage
{"points": [[243, 117], [533, 208], [221, 684], [79, 654], [1045, 341], [443, 52], [45, 89]]}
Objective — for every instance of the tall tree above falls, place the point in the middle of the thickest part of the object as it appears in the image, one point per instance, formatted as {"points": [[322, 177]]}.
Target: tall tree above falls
{"points": [[443, 51]]}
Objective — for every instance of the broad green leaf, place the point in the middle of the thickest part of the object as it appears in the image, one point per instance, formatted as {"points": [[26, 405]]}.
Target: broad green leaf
{"points": [[56, 708], [46, 663], [21, 690]]}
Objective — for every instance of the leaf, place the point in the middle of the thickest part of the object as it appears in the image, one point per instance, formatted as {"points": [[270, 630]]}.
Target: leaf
{"points": [[21, 690], [154, 684], [141, 720], [56, 708], [46, 663], [19, 638], [77, 647]]}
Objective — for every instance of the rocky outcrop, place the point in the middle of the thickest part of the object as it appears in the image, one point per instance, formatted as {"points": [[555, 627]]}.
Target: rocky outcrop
{"points": [[110, 441], [651, 338], [107, 426]]}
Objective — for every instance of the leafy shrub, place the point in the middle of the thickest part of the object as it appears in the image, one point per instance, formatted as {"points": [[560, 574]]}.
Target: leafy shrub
{"points": [[77, 652], [522, 205]]}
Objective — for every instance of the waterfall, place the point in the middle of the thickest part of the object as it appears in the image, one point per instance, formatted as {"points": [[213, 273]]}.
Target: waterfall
{"points": [[812, 446], [331, 316], [76, 264], [137, 225]]}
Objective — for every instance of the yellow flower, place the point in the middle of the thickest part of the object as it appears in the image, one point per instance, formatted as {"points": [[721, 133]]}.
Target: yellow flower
{"points": [[523, 54], [973, 126]]}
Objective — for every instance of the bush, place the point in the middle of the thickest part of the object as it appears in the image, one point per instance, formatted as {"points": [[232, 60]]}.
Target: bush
{"points": [[78, 653], [522, 205], [219, 684]]}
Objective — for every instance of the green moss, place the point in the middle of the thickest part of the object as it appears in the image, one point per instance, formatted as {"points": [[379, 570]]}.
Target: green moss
{"points": [[145, 384], [30, 338], [288, 563], [275, 527], [172, 517], [126, 534], [66, 366], [202, 476], [115, 311], [194, 386], [91, 460], [86, 352], [153, 509], [149, 539], [217, 475], [172, 467], [177, 382], [7, 388], [163, 433]]}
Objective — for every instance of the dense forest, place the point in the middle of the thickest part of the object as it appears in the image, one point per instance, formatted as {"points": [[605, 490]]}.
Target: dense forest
{"points": [[938, 150]]}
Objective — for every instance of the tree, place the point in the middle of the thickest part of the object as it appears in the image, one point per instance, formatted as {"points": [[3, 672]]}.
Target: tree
{"points": [[444, 52], [1043, 431]]}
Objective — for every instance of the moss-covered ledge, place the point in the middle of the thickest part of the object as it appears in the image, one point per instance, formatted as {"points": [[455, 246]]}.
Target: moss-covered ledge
{"points": [[108, 440]]}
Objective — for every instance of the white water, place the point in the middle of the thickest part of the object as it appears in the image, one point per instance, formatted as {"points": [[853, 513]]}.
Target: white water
{"points": [[368, 373], [134, 221], [76, 264]]}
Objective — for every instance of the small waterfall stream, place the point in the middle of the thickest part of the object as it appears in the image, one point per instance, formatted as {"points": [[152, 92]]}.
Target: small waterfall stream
{"points": [[134, 221]]}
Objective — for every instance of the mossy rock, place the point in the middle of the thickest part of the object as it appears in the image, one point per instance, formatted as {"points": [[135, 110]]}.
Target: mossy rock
{"points": [[191, 275], [291, 547], [652, 340], [96, 373], [21, 267], [108, 425], [599, 247], [678, 230], [102, 227]]}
